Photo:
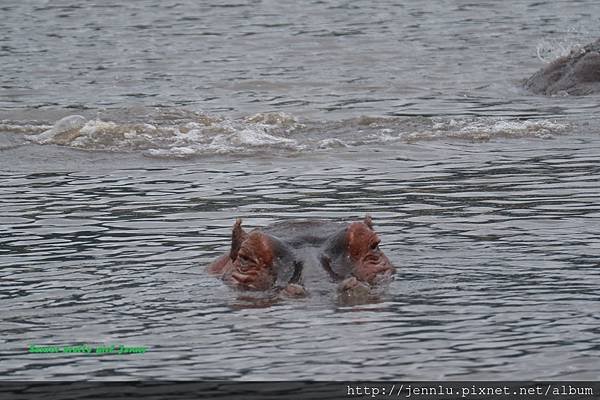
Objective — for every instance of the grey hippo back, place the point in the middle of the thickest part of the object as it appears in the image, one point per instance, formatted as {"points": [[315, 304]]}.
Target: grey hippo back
{"points": [[576, 74]]}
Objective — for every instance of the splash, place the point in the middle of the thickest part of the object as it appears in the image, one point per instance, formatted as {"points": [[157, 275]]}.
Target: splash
{"points": [[190, 135], [485, 129], [549, 50], [201, 135], [572, 39]]}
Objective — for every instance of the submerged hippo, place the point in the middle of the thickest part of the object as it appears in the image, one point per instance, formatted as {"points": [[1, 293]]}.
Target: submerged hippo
{"points": [[294, 255], [576, 74]]}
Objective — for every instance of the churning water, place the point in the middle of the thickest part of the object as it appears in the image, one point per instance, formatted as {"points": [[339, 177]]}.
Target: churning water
{"points": [[132, 135]]}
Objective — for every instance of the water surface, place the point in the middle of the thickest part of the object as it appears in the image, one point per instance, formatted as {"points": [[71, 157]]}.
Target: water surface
{"points": [[132, 136]]}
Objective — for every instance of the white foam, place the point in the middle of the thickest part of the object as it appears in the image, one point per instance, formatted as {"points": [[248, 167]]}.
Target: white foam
{"points": [[256, 137], [277, 132], [273, 118], [31, 128], [481, 129], [67, 126], [330, 143], [172, 152]]}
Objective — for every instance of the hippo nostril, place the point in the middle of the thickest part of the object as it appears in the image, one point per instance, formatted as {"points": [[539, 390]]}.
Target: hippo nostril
{"points": [[242, 277], [372, 259], [243, 268]]}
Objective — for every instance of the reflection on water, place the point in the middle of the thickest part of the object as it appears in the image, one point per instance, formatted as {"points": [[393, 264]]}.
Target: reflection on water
{"points": [[496, 245]]}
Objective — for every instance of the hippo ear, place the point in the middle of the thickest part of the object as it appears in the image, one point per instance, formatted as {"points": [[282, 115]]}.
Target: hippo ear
{"points": [[368, 221], [238, 235]]}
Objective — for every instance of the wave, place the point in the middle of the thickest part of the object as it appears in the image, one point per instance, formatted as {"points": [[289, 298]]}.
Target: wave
{"points": [[179, 134]]}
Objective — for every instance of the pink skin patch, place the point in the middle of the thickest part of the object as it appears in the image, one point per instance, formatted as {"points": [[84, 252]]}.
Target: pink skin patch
{"points": [[363, 248], [221, 266], [249, 264], [253, 266]]}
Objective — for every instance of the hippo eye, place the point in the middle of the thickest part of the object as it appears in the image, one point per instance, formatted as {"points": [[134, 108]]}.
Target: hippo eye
{"points": [[244, 263], [244, 260], [375, 246]]}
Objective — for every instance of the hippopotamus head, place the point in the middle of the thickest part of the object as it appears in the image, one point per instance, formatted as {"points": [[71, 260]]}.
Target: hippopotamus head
{"points": [[257, 261], [354, 252]]}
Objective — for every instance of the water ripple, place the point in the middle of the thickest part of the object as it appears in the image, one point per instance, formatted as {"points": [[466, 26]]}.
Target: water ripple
{"points": [[496, 247]]}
